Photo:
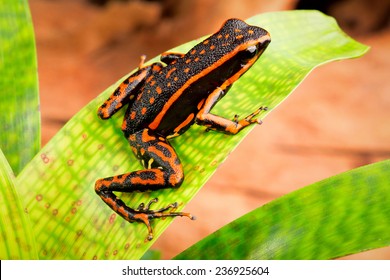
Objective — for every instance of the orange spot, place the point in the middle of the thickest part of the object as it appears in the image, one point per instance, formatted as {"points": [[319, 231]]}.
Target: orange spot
{"points": [[196, 59], [219, 36], [188, 61], [205, 42], [202, 51], [175, 79], [159, 90], [168, 84], [152, 82], [124, 125], [156, 68], [250, 31], [239, 37], [186, 70], [237, 30], [150, 78], [143, 111], [133, 115], [122, 87], [212, 47], [151, 100], [170, 72], [193, 51], [227, 36]]}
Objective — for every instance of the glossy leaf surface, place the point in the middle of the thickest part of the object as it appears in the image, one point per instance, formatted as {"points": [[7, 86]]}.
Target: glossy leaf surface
{"points": [[342, 215], [16, 239], [19, 102]]}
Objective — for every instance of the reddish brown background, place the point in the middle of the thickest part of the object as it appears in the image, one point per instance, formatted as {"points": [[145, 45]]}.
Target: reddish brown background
{"points": [[336, 120]]}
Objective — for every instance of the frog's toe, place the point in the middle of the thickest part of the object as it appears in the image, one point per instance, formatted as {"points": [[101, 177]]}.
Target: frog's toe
{"points": [[145, 214]]}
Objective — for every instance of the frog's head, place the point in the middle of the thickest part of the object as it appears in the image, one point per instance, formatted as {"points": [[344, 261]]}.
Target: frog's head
{"points": [[233, 49], [244, 42]]}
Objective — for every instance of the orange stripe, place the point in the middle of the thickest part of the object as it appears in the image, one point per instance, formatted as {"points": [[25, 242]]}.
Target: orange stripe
{"points": [[185, 123]]}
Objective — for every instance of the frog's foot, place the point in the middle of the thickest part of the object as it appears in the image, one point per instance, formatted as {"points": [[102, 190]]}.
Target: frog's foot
{"points": [[251, 118], [144, 214]]}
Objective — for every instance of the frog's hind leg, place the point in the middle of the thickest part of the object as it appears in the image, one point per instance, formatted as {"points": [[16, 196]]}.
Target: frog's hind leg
{"points": [[163, 170]]}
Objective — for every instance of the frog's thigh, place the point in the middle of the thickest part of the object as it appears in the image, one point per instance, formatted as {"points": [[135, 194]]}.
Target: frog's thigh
{"points": [[158, 157]]}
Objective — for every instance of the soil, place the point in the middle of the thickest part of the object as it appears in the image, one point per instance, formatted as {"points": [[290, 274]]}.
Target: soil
{"points": [[335, 121]]}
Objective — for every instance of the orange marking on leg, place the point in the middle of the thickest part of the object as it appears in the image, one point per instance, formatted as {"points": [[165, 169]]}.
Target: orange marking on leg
{"points": [[158, 90], [143, 111], [133, 115], [158, 153], [147, 137], [158, 180]]}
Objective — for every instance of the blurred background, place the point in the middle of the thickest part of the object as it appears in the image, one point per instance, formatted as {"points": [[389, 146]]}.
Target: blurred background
{"points": [[338, 119]]}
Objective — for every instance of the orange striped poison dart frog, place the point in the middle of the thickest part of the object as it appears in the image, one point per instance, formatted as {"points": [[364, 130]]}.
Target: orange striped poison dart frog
{"points": [[164, 101]]}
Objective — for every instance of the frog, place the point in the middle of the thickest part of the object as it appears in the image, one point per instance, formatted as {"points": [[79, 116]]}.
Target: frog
{"points": [[164, 99]]}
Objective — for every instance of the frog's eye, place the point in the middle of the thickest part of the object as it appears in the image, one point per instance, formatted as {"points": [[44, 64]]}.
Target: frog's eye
{"points": [[250, 52]]}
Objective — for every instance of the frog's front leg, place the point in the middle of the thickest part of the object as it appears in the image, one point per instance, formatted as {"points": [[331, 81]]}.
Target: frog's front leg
{"points": [[213, 122], [163, 170]]}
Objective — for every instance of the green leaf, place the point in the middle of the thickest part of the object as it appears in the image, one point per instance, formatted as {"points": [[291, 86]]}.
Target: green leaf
{"points": [[342, 215], [19, 102], [70, 220], [16, 240]]}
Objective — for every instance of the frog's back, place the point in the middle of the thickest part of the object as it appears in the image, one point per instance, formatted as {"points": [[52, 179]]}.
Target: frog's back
{"points": [[170, 97]]}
